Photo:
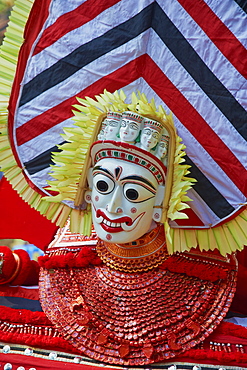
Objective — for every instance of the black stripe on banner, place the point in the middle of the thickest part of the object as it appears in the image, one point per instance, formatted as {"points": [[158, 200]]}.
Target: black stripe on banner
{"points": [[42, 161], [242, 4], [87, 53], [21, 303], [211, 196], [199, 71]]}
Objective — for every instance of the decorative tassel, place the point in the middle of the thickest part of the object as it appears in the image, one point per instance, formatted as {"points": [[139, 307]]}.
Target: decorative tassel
{"points": [[85, 257], [199, 269]]}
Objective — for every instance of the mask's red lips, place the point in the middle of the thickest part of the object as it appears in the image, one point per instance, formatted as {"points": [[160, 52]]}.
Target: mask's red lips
{"points": [[119, 220], [117, 225]]}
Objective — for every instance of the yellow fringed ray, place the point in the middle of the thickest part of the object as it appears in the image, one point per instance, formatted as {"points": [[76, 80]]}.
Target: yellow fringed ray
{"points": [[227, 238]]}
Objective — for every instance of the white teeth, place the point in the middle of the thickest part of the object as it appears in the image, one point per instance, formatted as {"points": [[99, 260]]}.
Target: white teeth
{"points": [[109, 223], [100, 220], [123, 225]]}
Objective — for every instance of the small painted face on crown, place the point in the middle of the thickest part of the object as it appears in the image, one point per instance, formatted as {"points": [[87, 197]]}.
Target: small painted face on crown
{"points": [[111, 129], [162, 149], [129, 130], [123, 197], [149, 138]]}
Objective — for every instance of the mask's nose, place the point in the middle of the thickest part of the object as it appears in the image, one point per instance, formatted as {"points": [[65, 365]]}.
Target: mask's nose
{"points": [[115, 204]]}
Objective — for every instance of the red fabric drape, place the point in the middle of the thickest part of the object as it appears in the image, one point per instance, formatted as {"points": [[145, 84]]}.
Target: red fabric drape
{"points": [[20, 221]]}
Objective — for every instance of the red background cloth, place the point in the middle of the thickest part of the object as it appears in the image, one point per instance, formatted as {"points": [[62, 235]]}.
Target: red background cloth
{"points": [[20, 221]]}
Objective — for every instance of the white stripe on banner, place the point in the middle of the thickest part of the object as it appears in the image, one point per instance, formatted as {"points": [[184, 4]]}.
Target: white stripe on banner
{"points": [[206, 49], [40, 178], [57, 9], [104, 22], [232, 16]]}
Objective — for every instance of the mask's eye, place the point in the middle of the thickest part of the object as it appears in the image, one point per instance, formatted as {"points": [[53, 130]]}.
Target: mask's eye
{"points": [[103, 184], [137, 193], [132, 194]]}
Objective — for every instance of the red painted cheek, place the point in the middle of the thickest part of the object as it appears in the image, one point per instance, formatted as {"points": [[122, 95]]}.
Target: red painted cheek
{"points": [[133, 210], [96, 198]]}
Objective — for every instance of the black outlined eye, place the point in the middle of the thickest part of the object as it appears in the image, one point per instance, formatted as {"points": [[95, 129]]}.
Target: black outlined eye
{"points": [[134, 126], [137, 193], [103, 184], [132, 194]]}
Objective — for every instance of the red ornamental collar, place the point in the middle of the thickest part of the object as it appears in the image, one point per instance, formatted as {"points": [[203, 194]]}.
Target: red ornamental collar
{"points": [[134, 318], [144, 254]]}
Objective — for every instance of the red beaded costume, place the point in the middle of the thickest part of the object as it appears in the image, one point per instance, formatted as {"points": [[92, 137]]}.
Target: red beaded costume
{"points": [[131, 311]]}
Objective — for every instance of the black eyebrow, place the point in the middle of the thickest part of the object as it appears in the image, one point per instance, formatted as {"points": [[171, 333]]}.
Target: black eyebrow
{"points": [[141, 179], [100, 168], [133, 177]]}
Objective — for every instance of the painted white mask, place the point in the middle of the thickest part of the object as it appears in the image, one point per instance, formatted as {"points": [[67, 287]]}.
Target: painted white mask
{"points": [[111, 129], [122, 201], [129, 130], [149, 138], [162, 150]]}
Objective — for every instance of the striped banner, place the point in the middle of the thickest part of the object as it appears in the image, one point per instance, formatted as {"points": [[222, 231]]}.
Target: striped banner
{"points": [[190, 56]]}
